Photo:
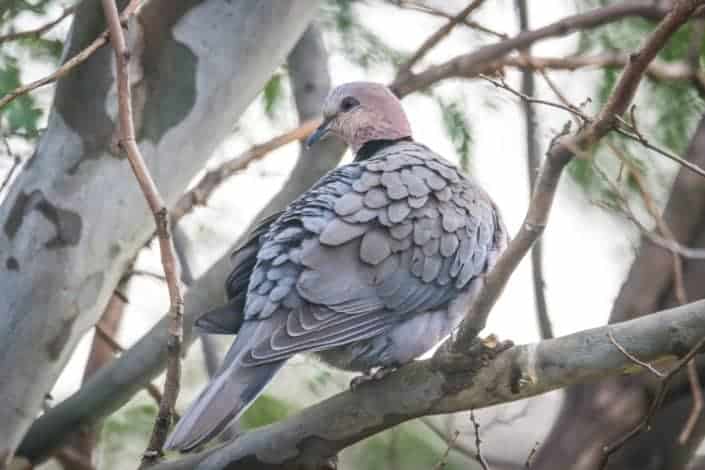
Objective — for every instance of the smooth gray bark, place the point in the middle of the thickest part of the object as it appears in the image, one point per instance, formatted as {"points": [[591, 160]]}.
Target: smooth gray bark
{"points": [[117, 382], [75, 217], [451, 384]]}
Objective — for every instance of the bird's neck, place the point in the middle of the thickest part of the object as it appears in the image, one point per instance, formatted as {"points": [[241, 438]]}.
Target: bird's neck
{"points": [[371, 147]]}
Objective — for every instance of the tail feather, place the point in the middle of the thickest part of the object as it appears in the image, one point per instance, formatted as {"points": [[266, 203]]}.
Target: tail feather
{"points": [[222, 402]]}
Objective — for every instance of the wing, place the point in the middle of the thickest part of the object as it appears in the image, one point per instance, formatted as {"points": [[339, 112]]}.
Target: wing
{"points": [[401, 233], [227, 319]]}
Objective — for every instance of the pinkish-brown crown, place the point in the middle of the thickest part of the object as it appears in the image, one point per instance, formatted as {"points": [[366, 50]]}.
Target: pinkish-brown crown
{"points": [[363, 111]]}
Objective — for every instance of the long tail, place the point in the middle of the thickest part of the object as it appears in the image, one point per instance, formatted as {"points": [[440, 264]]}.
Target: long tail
{"points": [[223, 401]]}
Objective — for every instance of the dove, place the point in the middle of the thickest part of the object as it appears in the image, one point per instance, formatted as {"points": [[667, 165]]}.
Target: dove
{"points": [[367, 270]]}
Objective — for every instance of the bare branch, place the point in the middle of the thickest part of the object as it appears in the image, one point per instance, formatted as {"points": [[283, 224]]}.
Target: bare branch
{"points": [[533, 162], [657, 70], [39, 31], [429, 10], [16, 160], [437, 37], [423, 388], [633, 358], [478, 442], [202, 191], [556, 158], [444, 458], [119, 349], [70, 64], [480, 61], [166, 246]]}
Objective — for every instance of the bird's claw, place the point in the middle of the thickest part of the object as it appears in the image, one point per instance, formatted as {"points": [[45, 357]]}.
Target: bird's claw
{"points": [[369, 376], [460, 367]]}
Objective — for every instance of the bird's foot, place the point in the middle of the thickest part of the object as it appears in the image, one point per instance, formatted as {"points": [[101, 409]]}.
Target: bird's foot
{"points": [[369, 376], [459, 367]]}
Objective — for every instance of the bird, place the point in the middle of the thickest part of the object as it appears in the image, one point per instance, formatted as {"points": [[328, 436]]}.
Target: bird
{"points": [[370, 268]]}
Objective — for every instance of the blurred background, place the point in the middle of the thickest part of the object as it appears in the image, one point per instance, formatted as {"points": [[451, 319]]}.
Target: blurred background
{"points": [[588, 246]]}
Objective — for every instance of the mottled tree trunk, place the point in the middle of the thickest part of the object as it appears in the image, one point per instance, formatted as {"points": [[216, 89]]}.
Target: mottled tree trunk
{"points": [[75, 217]]}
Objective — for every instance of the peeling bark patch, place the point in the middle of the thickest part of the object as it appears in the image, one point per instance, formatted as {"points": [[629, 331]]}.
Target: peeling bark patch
{"points": [[12, 264], [68, 223], [88, 116], [168, 102], [56, 345], [14, 219]]}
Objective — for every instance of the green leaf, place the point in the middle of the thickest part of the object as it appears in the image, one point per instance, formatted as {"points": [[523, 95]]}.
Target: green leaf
{"points": [[265, 410], [458, 129], [273, 92], [356, 41], [22, 113]]}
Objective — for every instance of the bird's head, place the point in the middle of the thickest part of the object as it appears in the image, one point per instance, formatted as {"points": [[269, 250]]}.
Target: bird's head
{"points": [[359, 112]]}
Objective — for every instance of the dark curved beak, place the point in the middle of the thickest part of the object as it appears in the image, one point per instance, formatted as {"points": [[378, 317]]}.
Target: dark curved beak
{"points": [[319, 134]]}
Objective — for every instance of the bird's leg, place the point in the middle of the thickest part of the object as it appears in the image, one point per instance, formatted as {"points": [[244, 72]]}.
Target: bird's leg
{"points": [[369, 376]]}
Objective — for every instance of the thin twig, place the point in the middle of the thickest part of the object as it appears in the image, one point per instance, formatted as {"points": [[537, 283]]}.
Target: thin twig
{"points": [[16, 161], [529, 99], [643, 425], [39, 31], [119, 349], [437, 36], [70, 64], [200, 193], [444, 457], [533, 162], [429, 10], [166, 246], [629, 132], [530, 457], [557, 157], [633, 358], [478, 442]]}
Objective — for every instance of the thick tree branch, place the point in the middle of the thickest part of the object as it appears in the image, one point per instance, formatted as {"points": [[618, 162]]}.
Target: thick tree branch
{"points": [[479, 61], [422, 388], [657, 70], [163, 224]]}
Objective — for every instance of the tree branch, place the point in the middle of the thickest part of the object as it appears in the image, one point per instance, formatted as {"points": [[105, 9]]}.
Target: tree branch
{"points": [[557, 158], [422, 388], [533, 162], [70, 64], [166, 245], [657, 70], [480, 61], [39, 31], [437, 37]]}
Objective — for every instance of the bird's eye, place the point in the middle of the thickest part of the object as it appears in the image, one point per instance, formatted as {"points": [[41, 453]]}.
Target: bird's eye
{"points": [[348, 103]]}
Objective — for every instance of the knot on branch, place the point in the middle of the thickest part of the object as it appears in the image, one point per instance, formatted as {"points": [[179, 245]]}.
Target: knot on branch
{"points": [[460, 366]]}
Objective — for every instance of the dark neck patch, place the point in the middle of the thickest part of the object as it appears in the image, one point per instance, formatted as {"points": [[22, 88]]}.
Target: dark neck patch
{"points": [[374, 146]]}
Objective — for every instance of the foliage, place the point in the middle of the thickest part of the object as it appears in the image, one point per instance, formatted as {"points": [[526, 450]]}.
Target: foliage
{"points": [[354, 40], [265, 410], [272, 94], [23, 114], [407, 448], [669, 109], [457, 127]]}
